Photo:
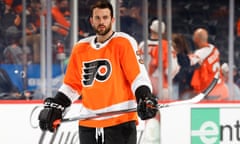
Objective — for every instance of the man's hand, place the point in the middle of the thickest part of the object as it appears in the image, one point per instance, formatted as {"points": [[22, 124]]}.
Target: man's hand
{"points": [[53, 110], [147, 104], [147, 108]]}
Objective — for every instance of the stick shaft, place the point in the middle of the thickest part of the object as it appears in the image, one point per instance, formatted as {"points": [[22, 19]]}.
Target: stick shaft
{"points": [[195, 99]]}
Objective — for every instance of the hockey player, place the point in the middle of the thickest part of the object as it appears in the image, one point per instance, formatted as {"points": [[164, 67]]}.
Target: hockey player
{"points": [[151, 131], [152, 59], [108, 72], [208, 56]]}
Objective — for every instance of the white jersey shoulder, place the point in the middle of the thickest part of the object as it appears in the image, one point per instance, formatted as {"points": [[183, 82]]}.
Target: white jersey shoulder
{"points": [[132, 40], [87, 39], [125, 35], [149, 42], [201, 54], [152, 42]]}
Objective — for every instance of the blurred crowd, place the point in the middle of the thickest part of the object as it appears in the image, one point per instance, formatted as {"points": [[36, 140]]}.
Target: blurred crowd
{"points": [[11, 29], [195, 40], [11, 24]]}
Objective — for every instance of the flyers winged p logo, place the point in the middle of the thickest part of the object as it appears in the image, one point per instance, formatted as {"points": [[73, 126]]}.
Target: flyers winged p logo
{"points": [[96, 70]]}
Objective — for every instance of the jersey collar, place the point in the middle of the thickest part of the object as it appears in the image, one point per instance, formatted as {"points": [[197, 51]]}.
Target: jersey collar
{"points": [[98, 45]]}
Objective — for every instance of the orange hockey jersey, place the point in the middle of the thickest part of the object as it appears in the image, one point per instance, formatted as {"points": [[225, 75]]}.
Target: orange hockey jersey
{"points": [[153, 63], [209, 59], [152, 59], [106, 75]]}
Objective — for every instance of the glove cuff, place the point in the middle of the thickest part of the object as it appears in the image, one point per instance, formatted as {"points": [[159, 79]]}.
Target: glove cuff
{"points": [[60, 102], [142, 92], [62, 99]]}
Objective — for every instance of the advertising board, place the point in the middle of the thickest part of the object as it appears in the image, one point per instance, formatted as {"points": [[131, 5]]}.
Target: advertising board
{"points": [[19, 124], [201, 124], [211, 123]]}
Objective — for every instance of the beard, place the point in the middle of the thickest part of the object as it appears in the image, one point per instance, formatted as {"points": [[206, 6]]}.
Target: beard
{"points": [[63, 9], [102, 32]]}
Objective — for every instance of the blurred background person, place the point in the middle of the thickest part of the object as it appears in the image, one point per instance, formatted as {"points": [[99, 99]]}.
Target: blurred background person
{"points": [[61, 24], [13, 52], [151, 134], [152, 60], [33, 12], [208, 56], [182, 79], [9, 20], [131, 18], [13, 24], [225, 71]]}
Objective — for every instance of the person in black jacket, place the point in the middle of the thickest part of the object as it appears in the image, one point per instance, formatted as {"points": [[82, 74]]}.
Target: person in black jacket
{"points": [[184, 75]]}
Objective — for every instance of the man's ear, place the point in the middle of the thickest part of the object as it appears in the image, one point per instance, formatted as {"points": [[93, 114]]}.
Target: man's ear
{"points": [[113, 20], [91, 20]]}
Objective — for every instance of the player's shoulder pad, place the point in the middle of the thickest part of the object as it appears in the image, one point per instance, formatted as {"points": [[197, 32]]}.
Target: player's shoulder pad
{"points": [[124, 35], [203, 53], [127, 37], [86, 40], [82, 44]]}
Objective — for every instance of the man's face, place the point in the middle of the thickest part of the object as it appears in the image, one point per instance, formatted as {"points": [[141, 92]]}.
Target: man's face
{"points": [[63, 6], [123, 11], [101, 21]]}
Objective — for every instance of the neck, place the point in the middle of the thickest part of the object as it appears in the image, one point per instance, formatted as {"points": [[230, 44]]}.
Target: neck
{"points": [[203, 45], [154, 36], [103, 38]]}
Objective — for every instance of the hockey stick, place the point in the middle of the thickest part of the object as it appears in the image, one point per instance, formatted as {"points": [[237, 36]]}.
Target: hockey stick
{"points": [[193, 100], [196, 98]]}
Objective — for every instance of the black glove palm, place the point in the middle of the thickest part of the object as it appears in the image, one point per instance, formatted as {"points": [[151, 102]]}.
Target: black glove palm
{"points": [[53, 109], [147, 104]]}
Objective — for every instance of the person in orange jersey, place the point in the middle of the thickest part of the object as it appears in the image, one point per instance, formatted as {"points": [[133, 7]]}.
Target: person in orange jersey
{"points": [[61, 15], [108, 72], [208, 56], [152, 59]]}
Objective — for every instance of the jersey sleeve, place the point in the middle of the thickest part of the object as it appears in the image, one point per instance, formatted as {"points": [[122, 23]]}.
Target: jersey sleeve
{"points": [[132, 64], [72, 86]]}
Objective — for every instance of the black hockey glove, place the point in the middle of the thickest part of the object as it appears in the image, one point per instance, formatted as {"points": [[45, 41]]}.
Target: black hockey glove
{"points": [[53, 110], [147, 103]]}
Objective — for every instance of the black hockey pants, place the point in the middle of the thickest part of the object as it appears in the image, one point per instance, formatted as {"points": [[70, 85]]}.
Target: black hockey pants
{"points": [[125, 133]]}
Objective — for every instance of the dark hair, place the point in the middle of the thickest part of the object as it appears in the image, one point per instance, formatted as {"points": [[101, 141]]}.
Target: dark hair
{"points": [[181, 44], [102, 4]]}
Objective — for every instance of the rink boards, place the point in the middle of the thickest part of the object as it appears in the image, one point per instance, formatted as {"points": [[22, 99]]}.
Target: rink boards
{"points": [[205, 123], [216, 123], [19, 124]]}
